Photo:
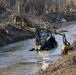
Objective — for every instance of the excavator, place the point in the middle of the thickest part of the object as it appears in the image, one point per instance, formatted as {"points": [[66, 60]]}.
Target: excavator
{"points": [[45, 40], [67, 46]]}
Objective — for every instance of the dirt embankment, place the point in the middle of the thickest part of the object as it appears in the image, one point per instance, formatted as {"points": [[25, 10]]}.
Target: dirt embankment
{"points": [[12, 34], [64, 66]]}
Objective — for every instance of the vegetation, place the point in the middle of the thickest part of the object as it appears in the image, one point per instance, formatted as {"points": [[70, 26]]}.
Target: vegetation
{"points": [[40, 6], [49, 8]]}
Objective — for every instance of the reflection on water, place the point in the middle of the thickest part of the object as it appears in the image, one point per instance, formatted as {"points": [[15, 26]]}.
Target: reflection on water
{"points": [[24, 62], [45, 58]]}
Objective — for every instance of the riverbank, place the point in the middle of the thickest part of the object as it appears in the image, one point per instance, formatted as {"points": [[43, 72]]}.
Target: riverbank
{"points": [[64, 66], [11, 34], [14, 59]]}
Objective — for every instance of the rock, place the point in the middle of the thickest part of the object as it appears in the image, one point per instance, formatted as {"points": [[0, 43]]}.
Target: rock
{"points": [[74, 59]]}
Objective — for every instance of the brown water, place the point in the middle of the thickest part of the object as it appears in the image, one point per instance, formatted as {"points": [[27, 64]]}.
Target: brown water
{"points": [[16, 59]]}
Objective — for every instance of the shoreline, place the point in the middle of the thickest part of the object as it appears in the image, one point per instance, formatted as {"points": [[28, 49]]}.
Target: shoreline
{"points": [[56, 67], [16, 35], [65, 65]]}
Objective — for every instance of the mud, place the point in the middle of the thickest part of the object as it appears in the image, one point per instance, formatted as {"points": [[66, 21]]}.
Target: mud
{"points": [[21, 68], [64, 66], [74, 43], [67, 64], [14, 35]]}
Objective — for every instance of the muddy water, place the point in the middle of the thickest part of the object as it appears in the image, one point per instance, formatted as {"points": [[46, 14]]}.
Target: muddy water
{"points": [[16, 59]]}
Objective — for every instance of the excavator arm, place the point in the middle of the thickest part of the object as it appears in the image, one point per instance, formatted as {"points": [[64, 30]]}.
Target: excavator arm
{"points": [[67, 46], [65, 42]]}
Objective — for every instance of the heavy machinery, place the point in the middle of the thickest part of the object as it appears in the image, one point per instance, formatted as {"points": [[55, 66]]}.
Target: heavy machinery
{"points": [[67, 46], [45, 39]]}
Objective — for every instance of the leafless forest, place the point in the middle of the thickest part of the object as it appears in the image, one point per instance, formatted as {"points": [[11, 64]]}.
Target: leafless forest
{"points": [[39, 7]]}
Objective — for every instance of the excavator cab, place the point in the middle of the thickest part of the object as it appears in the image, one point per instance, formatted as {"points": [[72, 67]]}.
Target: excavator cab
{"points": [[45, 40]]}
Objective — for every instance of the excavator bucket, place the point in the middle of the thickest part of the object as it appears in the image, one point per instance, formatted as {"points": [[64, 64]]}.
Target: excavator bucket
{"points": [[66, 49]]}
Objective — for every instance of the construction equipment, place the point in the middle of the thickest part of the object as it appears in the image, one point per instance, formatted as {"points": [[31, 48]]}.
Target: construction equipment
{"points": [[45, 39], [67, 46]]}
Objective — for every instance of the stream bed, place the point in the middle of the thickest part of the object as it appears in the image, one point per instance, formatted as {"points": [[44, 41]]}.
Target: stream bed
{"points": [[16, 59]]}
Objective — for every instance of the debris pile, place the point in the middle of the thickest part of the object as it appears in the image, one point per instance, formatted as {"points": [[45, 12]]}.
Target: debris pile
{"points": [[17, 30]]}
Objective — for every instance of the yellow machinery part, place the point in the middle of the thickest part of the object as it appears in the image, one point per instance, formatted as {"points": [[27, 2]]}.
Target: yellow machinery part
{"points": [[47, 38], [66, 49], [63, 47], [37, 47], [69, 52]]}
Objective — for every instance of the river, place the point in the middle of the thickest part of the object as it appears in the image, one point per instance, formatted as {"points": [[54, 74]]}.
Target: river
{"points": [[16, 59]]}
